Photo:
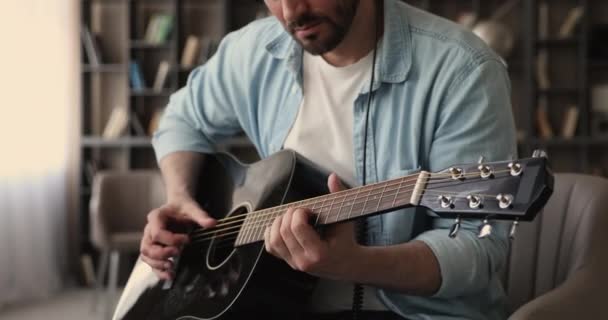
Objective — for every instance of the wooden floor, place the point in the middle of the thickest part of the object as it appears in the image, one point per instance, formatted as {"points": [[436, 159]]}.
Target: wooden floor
{"points": [[69, 305]]}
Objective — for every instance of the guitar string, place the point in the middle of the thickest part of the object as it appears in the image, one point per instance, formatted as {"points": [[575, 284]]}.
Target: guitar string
{"points": [[281, 208], [431, 179], [275, 210], [229, 240], [263, 223]]}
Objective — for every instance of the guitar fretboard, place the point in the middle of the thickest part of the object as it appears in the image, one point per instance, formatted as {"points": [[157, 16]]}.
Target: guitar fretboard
{"points": [[341, 206]]}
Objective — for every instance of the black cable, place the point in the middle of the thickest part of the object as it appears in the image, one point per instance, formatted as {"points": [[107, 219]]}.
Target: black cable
{"points": [[358, 291]]}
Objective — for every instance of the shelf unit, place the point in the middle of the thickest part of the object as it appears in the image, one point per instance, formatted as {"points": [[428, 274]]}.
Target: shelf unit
{"points": [[120, 26]]}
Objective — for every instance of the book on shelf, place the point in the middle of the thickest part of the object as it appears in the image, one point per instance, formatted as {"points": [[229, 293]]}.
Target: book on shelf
{"points": [[91, 46], [566, 30], [161, 76], [117, 123], [191, 51], [154, 121], [136, 76], [159, 28], [570, 122]]}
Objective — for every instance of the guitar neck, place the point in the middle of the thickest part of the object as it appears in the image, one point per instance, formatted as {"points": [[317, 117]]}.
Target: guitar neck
{"points": [[341, 206]]}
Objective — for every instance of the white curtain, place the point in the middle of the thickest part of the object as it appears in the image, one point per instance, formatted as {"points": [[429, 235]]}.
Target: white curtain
{"points": [[38, 98]]}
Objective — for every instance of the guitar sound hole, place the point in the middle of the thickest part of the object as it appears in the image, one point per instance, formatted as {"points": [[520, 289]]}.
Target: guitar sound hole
{"points": [[221, 248]]}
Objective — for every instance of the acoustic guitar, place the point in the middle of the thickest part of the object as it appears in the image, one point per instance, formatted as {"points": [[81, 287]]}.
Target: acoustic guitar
{"points": [[225, 269]]}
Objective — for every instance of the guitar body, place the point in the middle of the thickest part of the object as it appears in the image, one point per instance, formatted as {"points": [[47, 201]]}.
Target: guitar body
{"points": [[215, 280]]}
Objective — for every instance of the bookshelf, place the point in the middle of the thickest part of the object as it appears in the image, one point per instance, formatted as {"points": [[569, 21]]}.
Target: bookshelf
{"points": [[120, 30]]}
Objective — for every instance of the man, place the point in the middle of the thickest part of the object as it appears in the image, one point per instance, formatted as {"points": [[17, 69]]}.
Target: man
{"points": [[301, 80]]}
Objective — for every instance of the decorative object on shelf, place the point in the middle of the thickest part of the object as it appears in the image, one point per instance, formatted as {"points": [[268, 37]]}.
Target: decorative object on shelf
{"points": [[494, 32], [191, 51], [136, 76], [570, 122], [161, 76], [117, 124], [545, 130], [159, 28], [572, 19], [91, 46]]}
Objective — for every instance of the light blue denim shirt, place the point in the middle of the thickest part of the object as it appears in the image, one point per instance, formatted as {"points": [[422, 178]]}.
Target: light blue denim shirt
{"points": [[441, 97]]}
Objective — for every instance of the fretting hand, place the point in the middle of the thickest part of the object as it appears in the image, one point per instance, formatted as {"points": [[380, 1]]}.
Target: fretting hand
{"points": [[294, 240]]}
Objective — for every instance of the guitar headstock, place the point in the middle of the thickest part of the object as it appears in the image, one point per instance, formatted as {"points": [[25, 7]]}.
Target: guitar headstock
{"points": [[507, 190]]}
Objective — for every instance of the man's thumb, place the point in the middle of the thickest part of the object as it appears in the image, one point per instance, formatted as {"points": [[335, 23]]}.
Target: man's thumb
{"points": [[334, 184]]}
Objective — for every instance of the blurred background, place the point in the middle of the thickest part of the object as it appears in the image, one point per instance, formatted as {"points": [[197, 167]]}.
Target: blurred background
{"points": [[84, 83]]}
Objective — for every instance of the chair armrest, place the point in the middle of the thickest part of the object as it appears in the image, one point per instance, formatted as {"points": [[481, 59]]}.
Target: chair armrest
{"points": [[581, 296]]}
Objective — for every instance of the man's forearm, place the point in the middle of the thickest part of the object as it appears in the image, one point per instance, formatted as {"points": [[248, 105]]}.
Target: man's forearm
{"points": [[180, 172], [410, 268]]}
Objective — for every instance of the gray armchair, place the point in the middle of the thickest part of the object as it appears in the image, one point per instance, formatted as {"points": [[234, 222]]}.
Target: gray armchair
{"points": [[559, 263], [119, 206]]}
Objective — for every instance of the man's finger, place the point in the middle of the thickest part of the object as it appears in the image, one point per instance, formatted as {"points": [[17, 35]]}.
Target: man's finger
{"points": [[291, 243]]}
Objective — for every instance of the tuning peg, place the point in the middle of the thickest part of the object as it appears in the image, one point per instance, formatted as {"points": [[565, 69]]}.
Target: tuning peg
{"points": [[481, 160], [515, 168], [475, 201], [457, 173], [513, 229], [455, 228], [485, 230], [538, 153], [504, 200]]}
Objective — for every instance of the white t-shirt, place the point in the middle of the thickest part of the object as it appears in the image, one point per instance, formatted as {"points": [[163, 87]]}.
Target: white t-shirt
{"points": [[323, 133]]}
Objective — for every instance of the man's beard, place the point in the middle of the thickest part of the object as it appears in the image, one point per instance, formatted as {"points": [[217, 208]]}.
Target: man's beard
{"points": [[323, 42]]}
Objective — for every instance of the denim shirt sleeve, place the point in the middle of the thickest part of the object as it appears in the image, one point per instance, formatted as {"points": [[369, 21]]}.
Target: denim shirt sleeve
{"points": [[475, 120], [202, 113]]}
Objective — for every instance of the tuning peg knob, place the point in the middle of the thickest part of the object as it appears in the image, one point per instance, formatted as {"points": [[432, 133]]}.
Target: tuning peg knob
{"points": [[457, 173], [515, 168], [475, 201], [485, 229], [455, 228], [513, 229], [504, 200], [485, 171], [446, 201]]}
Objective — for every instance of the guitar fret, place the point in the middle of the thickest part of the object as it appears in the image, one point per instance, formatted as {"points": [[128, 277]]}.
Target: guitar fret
{"points": [[381, 196], [364, 204], [354, 201], [340, 208]]}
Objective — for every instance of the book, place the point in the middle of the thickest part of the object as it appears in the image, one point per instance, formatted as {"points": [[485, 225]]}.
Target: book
{"points": [[159, 28], [574, 16], [542, 70], [191, 51], [570, 122], [136, 77], [154, 121], [161, 76], [117, 123], [91, 46]]}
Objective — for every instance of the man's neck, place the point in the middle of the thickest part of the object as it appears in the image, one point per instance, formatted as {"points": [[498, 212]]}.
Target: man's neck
{"points": [[361, 37]]}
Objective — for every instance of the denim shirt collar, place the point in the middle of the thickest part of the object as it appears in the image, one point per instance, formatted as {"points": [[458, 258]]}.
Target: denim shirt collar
{"points": [[394, 55]]}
